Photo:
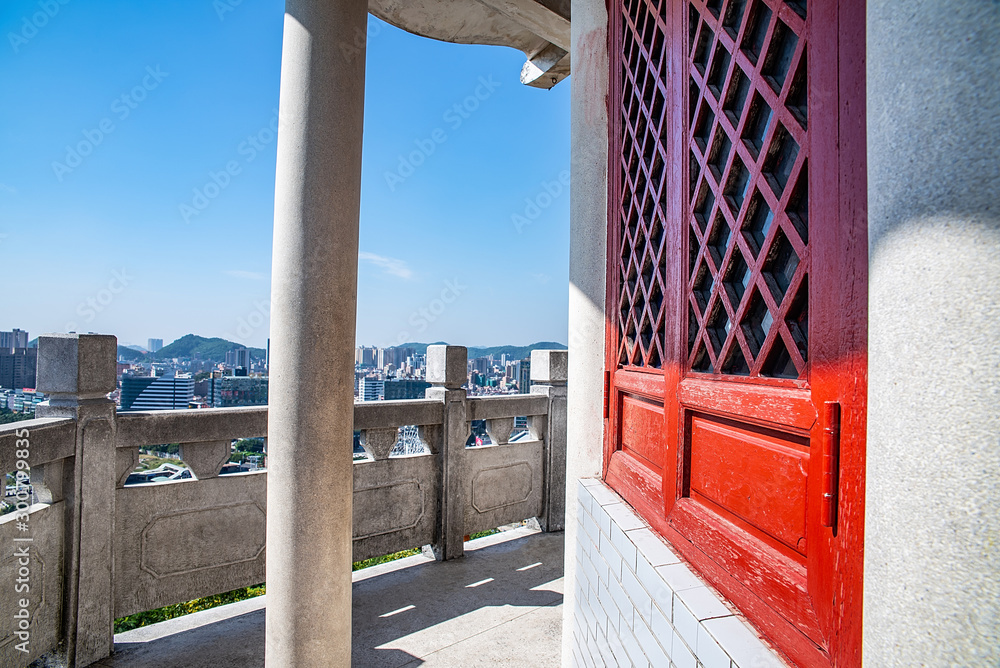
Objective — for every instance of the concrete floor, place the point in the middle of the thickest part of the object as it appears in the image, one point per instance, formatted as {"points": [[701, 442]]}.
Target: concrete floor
{"points": [[499, 606]]}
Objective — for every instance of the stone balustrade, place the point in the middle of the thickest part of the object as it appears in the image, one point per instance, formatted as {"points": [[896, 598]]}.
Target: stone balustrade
{"points": [[100, 549]]}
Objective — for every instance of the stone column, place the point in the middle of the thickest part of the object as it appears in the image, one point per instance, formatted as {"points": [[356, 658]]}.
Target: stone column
{"points": [[313, 305], [446, 371], [932, 567], [77, 371], [587, 268], [548, 377]]}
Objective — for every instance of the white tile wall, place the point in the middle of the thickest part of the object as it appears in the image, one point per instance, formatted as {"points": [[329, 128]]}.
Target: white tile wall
{"points": [[638, 605]]}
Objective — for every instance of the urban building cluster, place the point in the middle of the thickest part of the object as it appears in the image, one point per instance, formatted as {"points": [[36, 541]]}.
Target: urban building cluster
{"points": [[17, 361], [399, 373], [239, 380]]}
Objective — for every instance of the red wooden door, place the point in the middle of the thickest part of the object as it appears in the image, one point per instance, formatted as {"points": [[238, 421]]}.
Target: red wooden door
{"points": [[737, 307]]}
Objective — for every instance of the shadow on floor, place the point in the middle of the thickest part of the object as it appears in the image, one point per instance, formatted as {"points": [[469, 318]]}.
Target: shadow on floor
{"points": [[499, 605]]}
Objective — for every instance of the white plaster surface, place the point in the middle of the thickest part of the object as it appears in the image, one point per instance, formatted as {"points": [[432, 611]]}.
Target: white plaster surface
{"points": [[932, 567], [588, 242]]}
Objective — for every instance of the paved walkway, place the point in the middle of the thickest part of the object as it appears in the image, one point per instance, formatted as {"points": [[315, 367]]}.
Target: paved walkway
{"points": [[499, 606]]}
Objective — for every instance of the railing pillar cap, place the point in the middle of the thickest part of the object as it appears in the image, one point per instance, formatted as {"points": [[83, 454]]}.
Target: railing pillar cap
{"points": [[447, 365], [549, 366], [77, 364]]}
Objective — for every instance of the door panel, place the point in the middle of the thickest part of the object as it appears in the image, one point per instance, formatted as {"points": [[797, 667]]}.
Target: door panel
{"points": [[736, 281], [753, 478]]}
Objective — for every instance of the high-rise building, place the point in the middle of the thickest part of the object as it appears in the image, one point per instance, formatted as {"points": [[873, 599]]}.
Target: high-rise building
{"points": [[150, 393], [238, 358], [405, 389], [524, 376], [14, 339], [479, 365], [154, 345], [365, 356], [371, 389], [237, 391], [17, 366]]}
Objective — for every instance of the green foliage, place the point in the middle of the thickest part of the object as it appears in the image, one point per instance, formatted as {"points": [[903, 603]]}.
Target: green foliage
{"points": [[483, 534], [250, 445], [129, 355], [123, 624], [189, 346], [137, 620], [198, 347], [7, 416], [384, 559]]}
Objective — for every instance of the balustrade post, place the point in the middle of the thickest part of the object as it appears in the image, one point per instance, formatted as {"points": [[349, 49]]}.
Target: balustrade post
{"points": [[548, 377], [446, 372], [77, 371]]}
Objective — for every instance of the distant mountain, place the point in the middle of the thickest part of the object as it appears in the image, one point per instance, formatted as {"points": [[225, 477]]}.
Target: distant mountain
{"points": [[198, 347], [130, 354], [515, 352], [189, 346], [420, 348], [512, 352]]}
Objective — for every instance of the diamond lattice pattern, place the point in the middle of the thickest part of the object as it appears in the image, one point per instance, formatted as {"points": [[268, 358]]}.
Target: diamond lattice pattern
{"points": [[748, 237], [641, 178]]}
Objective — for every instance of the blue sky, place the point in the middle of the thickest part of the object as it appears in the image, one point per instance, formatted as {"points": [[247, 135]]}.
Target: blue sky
{"points": [[116, 116]]}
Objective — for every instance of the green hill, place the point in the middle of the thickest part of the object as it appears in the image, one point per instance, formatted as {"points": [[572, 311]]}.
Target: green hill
{"points": [[198, 347], [129, 354], [189, 346]]}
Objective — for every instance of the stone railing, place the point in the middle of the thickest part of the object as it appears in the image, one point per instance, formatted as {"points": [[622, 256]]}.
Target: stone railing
{"points": [[91, 548]]}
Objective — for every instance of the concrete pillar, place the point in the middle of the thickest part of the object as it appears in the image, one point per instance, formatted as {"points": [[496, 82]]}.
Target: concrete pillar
{"points": [[548, 377], [446, 372], [77, 371], [932, 567], [587, 251], [313, 305]]}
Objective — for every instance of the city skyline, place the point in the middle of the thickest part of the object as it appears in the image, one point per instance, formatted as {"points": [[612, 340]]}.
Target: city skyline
{"points": [[148, 165]]}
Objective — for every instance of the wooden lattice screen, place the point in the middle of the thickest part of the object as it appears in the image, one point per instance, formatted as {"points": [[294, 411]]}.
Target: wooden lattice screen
{"points": [[748, 211], [642, 188]]}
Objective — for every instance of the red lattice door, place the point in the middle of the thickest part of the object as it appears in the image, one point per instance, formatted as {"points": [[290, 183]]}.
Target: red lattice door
{"points": [[736, 302]]}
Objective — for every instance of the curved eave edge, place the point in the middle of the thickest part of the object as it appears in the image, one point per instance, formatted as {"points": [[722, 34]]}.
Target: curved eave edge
{"points": [[512, 23]]}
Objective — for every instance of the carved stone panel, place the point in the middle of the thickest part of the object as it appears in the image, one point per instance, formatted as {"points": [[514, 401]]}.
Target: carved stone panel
{"points": [[177, 541], [503, 484]]}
